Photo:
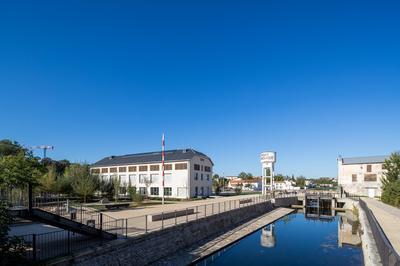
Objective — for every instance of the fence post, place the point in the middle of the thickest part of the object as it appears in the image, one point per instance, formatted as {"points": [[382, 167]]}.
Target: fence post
{"points": [[145, 222], [34, 246], [197, 213], [69, 241], [162, 220], [212, 208], [126, 228], [81, 213], [219, 207], [224, 206], [187, 218], [101, 221], [175, 218]]}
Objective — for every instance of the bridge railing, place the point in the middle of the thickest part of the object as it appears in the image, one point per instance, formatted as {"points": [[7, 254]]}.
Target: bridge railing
{"points": [[389, 256]]}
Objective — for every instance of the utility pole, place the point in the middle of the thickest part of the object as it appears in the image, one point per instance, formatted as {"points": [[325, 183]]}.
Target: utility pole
{"points": [[162, 165]]}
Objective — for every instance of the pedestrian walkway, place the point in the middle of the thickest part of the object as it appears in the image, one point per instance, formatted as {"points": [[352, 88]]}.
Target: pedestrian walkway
{"points": [[389, 220]]}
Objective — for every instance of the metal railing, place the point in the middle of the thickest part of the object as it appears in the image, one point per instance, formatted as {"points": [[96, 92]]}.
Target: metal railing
{"points": [[389, 256], [53, 244], [147, 223]]}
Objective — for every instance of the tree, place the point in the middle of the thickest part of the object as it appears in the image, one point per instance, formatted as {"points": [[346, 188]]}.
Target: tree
{"points": [[48, 180], [300, 181], [8, 147], [82, 182], [106, 188], [279, 177], [391, 180], [117, 184], [16, 171], [244, 175]]}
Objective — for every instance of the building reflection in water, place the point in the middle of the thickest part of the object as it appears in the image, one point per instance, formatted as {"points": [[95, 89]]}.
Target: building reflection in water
{"points": [[268, 236], [348, 230]]}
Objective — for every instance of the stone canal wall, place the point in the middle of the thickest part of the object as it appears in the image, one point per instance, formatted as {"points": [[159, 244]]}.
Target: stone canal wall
{"points": [[156, 245]]}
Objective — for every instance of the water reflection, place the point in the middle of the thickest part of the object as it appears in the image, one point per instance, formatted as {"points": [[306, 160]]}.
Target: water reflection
{"points": [[268, 236], [348, 230]]}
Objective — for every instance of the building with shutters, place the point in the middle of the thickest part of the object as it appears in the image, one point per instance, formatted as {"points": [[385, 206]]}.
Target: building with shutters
{"points": [[188, 173], [361, 175]]}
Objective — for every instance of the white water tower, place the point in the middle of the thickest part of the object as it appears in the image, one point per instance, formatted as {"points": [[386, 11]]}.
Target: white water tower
{"points": [[268, 160]]}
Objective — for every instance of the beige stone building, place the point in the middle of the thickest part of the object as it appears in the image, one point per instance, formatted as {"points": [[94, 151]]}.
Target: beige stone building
{"points": [[361, 175]]}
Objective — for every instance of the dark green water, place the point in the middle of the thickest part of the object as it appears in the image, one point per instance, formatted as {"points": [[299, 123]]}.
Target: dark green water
{"points": [[296, 240]]}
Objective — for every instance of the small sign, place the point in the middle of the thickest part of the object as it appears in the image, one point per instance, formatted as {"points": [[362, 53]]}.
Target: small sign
{"points": [[268, 157]]}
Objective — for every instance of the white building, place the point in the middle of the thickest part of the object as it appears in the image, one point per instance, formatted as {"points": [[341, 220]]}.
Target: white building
{"points": [[361, 175], [246, 184], [283, 185], [188, 173]]}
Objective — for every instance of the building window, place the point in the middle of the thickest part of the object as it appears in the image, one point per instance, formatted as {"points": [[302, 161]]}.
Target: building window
{"points": [[154, 178], [104, 177], [132, 168], [201, 176], [202, 191], [208, 177], [154, 167], [196, 176], [142, 179], [122, 180], [180, 166], [167, 191], [104, 170], [167, 167], [142, 168], [208, 191], [113, 169], [122, 169], [142, 191], [197, 167], [132, 180], [370, 177], [201, 168], [354, 177], [154, 191], [369, 168], [196, 191], [122, 190], [207, 169], [96, 171]]}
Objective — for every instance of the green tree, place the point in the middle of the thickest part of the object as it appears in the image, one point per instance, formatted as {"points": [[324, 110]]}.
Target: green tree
{"points": [[117, 184], [82, 182], [16, 171], [8, 147], [301, 181], [391, 180], [279, 177], [48, 180]]}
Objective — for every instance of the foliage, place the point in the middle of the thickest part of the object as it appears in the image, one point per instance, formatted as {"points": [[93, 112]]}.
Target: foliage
{"points": [[19, 170], [300, 181], [238, 190], [106, 188], [279, 177], [8, 147], [82, 182], [391, 181], [11, 248], [117, 184], [218, 183], [48, 180], [244, 175], [131, 191], [60, 166]]}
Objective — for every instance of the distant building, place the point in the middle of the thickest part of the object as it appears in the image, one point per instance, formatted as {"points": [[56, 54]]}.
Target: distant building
{"points": [[246, 184], [188, 173], [283, 185], [361, 175]]}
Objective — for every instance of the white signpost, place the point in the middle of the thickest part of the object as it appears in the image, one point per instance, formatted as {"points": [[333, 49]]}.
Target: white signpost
{"points": [[268, 160]]}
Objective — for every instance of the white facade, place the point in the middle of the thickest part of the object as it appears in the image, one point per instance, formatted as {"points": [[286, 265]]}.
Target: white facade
{"points": [[361, 176], [185, 178], [283, 185]]}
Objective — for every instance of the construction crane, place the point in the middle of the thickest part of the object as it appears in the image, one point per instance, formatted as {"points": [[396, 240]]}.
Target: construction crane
{"points": [[44, 148]]}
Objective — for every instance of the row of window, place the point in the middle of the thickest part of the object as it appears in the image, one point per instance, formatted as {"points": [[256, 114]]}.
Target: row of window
{"points": [[196, 176], [201, 191], [199, 167], [141, 168], [155, 191], [367, 177]]}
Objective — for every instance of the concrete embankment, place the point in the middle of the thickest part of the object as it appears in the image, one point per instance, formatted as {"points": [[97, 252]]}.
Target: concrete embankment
{"points": [[157, 245]]}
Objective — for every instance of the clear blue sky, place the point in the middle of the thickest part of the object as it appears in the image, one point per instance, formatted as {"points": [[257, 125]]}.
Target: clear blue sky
{"points": [[310, 80]]}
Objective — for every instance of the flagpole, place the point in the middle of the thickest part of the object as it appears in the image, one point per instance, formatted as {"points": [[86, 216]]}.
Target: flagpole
{"points": [[162, 166]]}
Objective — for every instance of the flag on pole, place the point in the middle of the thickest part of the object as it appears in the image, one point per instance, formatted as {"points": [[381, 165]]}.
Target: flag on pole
{"points": [[162, 165]]}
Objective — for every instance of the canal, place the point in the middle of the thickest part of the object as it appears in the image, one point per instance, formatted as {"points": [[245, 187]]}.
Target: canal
{"points": [[297, 239]]}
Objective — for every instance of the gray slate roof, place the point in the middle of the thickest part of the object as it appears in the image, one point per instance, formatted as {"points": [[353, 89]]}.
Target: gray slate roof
{"points": [[150, 157], [363, 160]]}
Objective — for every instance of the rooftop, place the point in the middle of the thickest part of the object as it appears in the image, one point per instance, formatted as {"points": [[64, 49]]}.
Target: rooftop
{"points": [[367, 159], [150, 157]]}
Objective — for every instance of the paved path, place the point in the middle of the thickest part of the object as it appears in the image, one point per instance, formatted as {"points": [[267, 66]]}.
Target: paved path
{"points": [[210, 246], [388, 218]]}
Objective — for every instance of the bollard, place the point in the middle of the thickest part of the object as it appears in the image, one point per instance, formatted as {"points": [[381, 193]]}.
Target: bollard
{"points": [[101, 221], [162, 220], [126, 228], [175, 218], [197, 213], [187, 218]]}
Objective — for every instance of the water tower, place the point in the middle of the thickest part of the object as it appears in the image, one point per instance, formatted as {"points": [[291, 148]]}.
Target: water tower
{"points": [[268, 160]]}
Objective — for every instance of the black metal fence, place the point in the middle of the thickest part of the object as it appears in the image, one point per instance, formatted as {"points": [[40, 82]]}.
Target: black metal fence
{"points": [[389, 256], [53, 244]]}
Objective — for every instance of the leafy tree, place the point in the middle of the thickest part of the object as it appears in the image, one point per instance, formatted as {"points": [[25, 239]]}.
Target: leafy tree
{"points": [[48, 180], [300, 181], [238, 190], [391, 180], [8, 147], [242, 175], [82, 182], [279, 177], [117, 184], [106, 188], [19, 170]]}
